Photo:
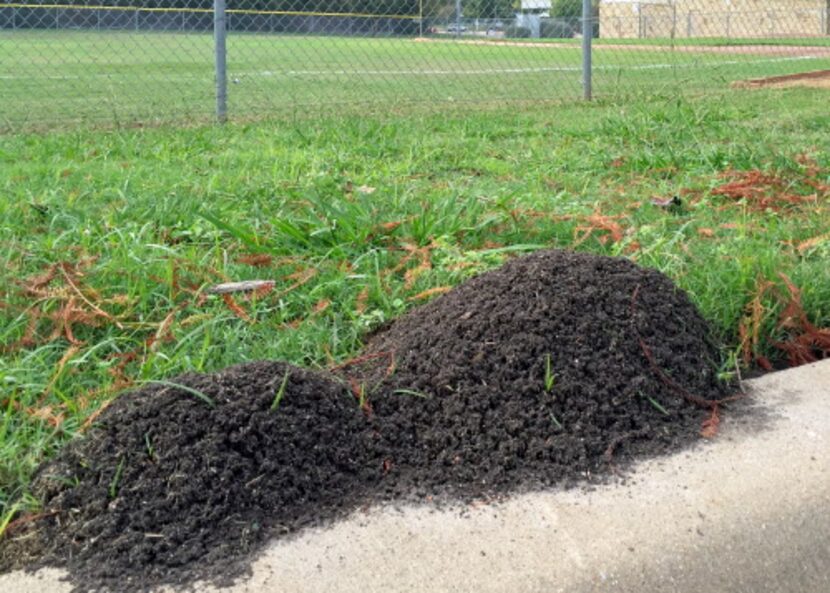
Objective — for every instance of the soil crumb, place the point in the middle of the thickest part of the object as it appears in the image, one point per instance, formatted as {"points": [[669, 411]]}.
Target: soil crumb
{"points": [[555, 368]]}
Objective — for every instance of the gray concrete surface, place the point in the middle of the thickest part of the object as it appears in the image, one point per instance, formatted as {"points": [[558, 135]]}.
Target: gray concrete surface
{"points": [[746, 513]]}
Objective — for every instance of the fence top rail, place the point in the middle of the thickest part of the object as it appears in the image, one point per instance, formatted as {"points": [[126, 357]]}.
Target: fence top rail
{"points": [[210, 11]]}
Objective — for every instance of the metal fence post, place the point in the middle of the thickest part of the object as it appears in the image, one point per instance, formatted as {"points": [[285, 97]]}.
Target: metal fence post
{"points": [[219, 35], [587, 34]]}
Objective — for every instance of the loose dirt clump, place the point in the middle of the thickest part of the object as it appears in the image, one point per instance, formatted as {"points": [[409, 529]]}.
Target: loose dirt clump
{"points": [[549, 369], [554, 368]]}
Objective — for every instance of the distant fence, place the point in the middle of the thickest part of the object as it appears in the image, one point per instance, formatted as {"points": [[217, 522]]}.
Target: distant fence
{"points": [[166, 60]]}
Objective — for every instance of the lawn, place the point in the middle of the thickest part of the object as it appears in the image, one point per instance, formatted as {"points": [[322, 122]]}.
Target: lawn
{"points": [[109, 239], [59, 77], [717, 41]]}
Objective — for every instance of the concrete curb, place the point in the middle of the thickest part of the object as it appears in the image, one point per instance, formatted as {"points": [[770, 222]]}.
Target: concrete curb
{"points": [[746, 513]]}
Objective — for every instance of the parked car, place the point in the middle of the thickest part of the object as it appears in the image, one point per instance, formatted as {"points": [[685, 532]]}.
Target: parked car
{"points": [[456, 28], [495, 28]]}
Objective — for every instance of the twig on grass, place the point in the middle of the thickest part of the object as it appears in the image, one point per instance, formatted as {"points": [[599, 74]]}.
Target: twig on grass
{"points": [[246, 286]]}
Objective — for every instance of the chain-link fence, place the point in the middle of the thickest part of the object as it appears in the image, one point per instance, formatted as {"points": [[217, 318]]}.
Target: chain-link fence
{"points": [[129, 61]]}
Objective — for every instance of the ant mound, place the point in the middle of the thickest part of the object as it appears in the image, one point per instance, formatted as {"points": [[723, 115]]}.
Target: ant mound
{"points": [[554, 367], [178, 483]]}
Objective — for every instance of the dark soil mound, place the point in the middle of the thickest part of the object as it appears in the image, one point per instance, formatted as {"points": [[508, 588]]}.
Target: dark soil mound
{"points": [[167, 485], [539, 372], [544, 371]]}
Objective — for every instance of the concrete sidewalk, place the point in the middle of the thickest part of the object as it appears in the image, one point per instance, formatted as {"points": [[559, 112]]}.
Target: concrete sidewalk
{"points": [[746, 513]]}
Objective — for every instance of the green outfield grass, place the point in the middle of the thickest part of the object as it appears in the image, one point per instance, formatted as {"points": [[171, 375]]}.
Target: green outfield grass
{"points": [[715, 41], [60, 77]]}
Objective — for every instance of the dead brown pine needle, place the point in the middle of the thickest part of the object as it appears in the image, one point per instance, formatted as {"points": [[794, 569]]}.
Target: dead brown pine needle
{"points": [[430, 293], [710, 426], [361, 359], [235, 308], [22, 521], [89, 303]]}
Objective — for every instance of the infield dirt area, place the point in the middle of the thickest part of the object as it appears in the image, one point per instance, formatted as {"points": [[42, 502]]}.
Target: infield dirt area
{"points": [[820, 79], [813, 51]]}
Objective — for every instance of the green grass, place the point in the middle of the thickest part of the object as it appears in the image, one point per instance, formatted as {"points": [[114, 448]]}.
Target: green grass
{"points": [[194, 392], [280, 392], [64, 77], [713, 41], [116, 479], [109, 238], [550, 377]]}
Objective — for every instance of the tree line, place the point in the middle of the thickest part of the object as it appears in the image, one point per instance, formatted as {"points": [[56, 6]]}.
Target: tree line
{"points": [[489, 9], [376, 7]]}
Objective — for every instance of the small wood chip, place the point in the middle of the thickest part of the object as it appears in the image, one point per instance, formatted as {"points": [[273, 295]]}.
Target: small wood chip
{"points": [[247, 286]]}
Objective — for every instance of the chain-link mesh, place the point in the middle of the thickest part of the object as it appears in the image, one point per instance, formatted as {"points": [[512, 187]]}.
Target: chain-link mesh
{"points": [[128, 61]]}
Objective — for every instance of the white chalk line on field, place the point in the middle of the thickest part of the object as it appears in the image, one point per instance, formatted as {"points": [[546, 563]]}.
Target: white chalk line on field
{"points": [[430, 72]]}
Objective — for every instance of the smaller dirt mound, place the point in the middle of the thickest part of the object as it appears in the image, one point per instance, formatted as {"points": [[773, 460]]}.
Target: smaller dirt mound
{"points": [[541, 371], [168, 484]]}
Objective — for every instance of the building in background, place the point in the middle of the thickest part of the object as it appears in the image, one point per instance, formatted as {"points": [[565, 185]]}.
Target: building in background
{"points": [[531, 13], [713, 18]]}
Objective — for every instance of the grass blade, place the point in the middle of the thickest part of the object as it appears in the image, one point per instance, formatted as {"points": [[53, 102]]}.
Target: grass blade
{"points": [[249, 239], [116, 479], [190, 390], [413, 392], [281, 391], [657, 405]]}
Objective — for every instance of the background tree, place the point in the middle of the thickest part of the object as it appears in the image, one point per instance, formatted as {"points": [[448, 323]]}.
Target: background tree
{"points": [[562, 9], [488, 9]]}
